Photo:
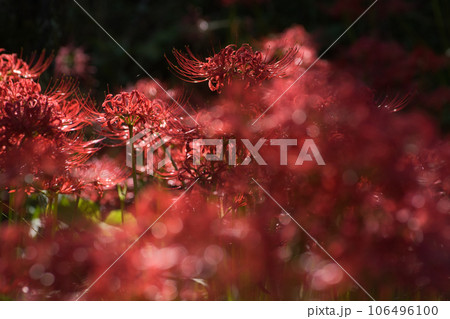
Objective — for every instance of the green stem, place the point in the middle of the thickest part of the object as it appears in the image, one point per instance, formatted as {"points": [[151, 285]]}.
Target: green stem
{"points": [[122, 207], [77, 203], [48, 211], [122, 193], [55, 213], [10, 207], [55, 206], [77, 208], [133, 162]]}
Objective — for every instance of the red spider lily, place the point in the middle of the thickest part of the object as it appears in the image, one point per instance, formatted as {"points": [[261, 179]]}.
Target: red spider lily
{"points": [[129, 113], [12, 67], [72, 115], [229, 63], [134, 110], [44, 126], [380, 172], [102, 173], [380, 206], [11, 90], [125, 110], [60, 184], [27, 119], [70, 107], [24, 114], [78, 149], [61, 90]]}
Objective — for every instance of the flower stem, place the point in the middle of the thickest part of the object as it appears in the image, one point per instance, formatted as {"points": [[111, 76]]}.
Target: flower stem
{"points": [[55, 214], [133, 162], [11, 209], [122, 192], [49, 209], [55, 206]]}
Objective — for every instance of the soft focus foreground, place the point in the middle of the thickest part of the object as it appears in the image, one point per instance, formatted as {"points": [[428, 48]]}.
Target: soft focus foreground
{"points": [[70, 206]]}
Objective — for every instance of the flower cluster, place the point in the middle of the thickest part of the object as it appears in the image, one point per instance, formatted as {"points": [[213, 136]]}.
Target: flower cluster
{"points": [[42, 138], [379, 206]]}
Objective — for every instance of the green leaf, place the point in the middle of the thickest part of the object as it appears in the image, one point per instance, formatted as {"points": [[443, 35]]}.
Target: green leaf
{"points": [[115, 218], [89, 208]]}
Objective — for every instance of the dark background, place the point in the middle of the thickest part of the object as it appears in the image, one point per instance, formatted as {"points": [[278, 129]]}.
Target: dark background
{"points": [[150, 29]]}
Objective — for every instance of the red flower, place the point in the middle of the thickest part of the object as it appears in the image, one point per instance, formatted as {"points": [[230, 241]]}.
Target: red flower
{"points": [[13, 67], [125, 110], [103, 173], [26, 112], [27, 118], [134, 110], [229, 63], [41, 138]]}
